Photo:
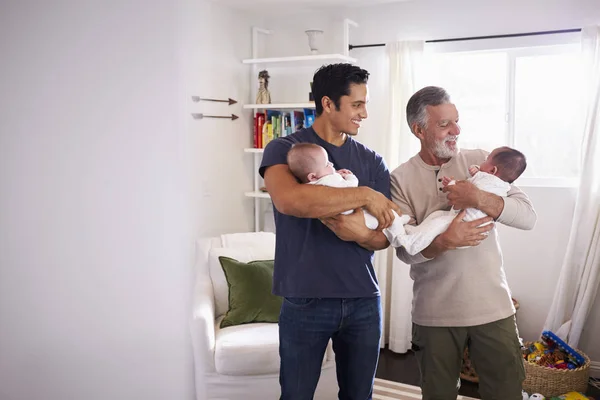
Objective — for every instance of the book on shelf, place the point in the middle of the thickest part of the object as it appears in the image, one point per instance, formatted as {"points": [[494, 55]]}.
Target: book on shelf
{"points": [[272, 124], [259, 122], [309, 117]]}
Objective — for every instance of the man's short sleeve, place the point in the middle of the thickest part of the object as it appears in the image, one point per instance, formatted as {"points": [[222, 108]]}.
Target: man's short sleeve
{"points": [[382, 178], [275, 153]]}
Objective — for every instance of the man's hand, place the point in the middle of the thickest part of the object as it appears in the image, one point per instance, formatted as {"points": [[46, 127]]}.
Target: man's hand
{"points": [[461, 233], [352, 228], [381, 208], [349, 228], [462, 195]]}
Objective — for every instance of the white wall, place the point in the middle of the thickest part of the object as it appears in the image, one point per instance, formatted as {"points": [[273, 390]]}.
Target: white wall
{"points": [[589, 338], [106, 182], [439, 19], [216, 40], [533, 259]]}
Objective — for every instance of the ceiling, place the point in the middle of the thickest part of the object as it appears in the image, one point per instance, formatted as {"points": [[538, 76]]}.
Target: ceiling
{"points": [[301, 5]]}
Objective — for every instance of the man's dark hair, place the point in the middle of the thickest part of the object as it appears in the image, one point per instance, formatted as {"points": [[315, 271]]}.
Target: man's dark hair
{"points": [[511, 163], [334, 81]]}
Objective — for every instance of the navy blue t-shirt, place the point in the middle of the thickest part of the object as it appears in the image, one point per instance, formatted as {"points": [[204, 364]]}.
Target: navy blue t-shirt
{"points": [[310, 260]]}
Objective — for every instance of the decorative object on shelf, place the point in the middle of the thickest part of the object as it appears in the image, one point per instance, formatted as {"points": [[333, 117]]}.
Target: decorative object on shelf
{"points": [[263, 96], [198, 98], [232, 117], [314, 40]]}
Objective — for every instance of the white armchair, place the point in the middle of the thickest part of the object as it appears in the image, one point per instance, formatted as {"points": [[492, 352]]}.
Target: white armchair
{"points": [[238, 362]]}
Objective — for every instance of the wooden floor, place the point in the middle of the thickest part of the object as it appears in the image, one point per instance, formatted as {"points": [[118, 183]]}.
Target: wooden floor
{"points": [[403, 368]]}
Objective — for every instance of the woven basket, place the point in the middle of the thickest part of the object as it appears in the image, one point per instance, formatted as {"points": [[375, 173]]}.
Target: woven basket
{"points": [[553, 382], [468, 370]]}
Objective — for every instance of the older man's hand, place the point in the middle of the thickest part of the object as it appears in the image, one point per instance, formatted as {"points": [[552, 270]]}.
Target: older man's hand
{"points": [[462, 195]]}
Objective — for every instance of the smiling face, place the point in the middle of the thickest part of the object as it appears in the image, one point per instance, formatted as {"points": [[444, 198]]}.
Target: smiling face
{"points": [[439, 136], [352, 110]]}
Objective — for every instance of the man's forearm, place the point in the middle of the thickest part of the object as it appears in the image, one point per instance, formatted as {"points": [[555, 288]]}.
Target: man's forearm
{"points": [[410, 259], [436, 248], [313, 201], [490, 204], [518, 211], [375, 241]]}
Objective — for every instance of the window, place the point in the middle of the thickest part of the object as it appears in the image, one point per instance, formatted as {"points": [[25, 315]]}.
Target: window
{"points": [[477, 85], [549, 117], [529, 99]]}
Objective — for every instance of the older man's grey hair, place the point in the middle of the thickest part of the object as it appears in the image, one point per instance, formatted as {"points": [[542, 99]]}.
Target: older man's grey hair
{"points": [[416, 109]]}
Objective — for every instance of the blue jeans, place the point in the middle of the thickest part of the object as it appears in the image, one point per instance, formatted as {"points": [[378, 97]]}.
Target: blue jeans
{"points": [[305, 327]]}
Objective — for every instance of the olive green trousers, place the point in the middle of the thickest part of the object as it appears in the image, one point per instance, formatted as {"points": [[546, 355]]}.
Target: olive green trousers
{"points": [[494, 350]]}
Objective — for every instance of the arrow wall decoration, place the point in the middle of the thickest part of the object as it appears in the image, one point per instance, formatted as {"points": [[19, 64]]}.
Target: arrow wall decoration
{"points": [[198, 98], [232, 117]]}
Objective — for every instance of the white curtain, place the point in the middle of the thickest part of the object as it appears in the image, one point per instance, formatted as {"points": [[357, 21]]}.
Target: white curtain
{"points": [[404, 59], [580, 274]]}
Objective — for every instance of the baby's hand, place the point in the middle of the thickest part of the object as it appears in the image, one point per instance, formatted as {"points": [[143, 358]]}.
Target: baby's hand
{"points": [[446, 180], [473, 169], [344, 172]]}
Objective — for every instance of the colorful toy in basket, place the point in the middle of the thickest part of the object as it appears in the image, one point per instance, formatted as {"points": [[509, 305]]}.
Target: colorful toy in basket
{"points": [[567, 396], [552, 340], [572, 396]]}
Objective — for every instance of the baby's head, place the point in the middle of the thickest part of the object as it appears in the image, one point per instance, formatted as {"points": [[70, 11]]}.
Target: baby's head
{"points": [[506, 163], [309, 162]]}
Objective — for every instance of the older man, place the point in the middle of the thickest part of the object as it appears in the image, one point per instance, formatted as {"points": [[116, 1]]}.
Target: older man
{"points": [[461, 296]]}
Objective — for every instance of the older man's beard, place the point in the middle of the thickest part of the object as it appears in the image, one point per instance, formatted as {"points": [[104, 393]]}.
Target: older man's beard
{"points": [[442, 151]]}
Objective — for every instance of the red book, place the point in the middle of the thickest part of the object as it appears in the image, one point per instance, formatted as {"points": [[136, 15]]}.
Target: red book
{"points": [[255, 132], [260, 117]]}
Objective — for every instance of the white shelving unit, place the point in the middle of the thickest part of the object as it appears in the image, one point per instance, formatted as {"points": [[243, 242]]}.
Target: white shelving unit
{"points": [[301, 61], [258, 194], [279, 106], [313, 60]]}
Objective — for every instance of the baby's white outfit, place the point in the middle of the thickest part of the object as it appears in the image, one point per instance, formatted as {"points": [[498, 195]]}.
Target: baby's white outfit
{"points": [[337, 180], [417, 238]]}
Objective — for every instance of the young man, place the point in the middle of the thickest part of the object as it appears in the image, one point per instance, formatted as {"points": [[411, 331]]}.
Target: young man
{"points": [[323, 260], [460, 295]]}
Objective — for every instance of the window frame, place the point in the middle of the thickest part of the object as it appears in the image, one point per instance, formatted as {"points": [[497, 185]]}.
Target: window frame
{"points": [[537, 46]]}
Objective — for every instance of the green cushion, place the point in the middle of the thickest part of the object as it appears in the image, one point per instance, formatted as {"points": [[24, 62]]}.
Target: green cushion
{"points": [[250, 297]]}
